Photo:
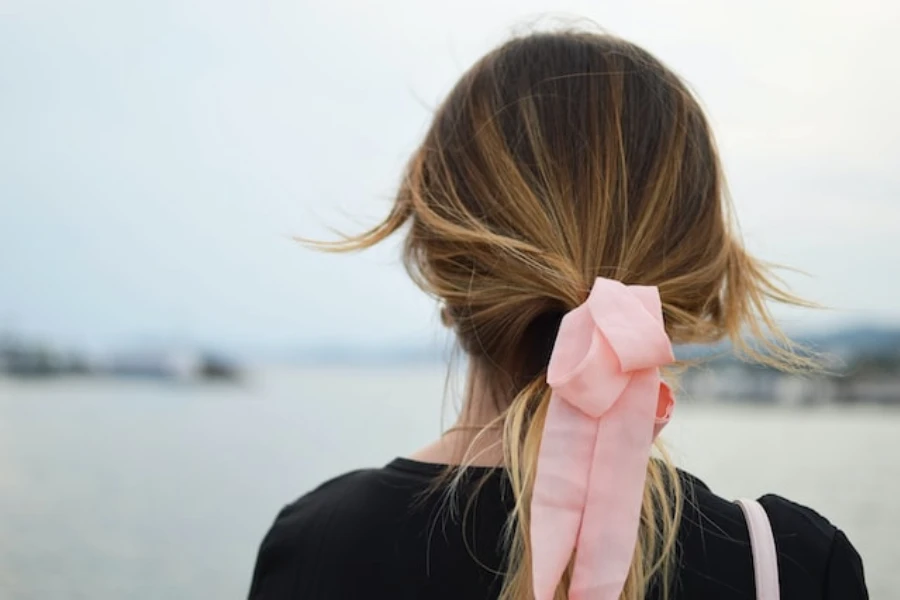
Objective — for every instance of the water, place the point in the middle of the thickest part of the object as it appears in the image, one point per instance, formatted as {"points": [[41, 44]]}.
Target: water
{"points": [[142, 490]]}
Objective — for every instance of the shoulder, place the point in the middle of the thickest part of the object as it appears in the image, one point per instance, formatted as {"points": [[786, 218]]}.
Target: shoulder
{"points": [[320, 537], [348, 524], [815, 558], [812, 548], [798, 529], [349, 501]]}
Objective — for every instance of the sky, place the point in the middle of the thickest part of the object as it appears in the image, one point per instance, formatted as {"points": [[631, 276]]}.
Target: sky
{"points": [[156, 158]]}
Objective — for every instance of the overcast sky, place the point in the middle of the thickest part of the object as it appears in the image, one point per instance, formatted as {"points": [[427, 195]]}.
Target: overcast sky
{"points": [[156, 157]]}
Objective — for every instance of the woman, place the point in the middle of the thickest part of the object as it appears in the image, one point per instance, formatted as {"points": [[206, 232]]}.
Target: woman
{"points": [[567, 208]]}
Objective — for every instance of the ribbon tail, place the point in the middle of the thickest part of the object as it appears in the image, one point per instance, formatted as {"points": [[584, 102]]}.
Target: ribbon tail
{"points": [[613, 507], [560, 488]]}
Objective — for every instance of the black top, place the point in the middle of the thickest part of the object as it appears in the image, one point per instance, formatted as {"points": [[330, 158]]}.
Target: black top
{"points": [[379, 534]]}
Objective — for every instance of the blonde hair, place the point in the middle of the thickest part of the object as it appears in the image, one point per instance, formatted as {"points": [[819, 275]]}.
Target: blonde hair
{"points": [[557, 158]]}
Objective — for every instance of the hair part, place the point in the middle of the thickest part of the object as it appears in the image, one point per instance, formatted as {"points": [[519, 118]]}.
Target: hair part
{"points": [[558, 158]]}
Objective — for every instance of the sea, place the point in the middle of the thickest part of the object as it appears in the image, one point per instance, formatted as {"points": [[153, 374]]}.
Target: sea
{"points": [[150, 490]]}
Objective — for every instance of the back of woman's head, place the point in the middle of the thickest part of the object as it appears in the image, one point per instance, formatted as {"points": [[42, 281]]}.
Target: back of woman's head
{"points": [[559, 158]]}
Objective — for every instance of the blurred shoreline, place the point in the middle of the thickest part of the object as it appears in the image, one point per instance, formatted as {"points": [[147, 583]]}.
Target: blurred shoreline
{"points": [[861, 365]]}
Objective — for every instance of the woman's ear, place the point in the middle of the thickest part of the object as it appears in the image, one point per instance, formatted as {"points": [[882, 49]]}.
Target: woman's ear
{"points": [[446, 319]]}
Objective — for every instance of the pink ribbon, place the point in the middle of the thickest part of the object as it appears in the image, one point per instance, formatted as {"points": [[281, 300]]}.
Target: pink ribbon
{"points": [[608, 404]]}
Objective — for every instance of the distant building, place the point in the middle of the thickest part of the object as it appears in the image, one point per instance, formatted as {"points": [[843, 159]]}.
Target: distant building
{"points": [[733, 381]]}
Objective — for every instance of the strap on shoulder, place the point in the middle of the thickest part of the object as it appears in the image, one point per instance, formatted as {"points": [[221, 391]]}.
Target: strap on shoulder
{"points": [[762, 543]]}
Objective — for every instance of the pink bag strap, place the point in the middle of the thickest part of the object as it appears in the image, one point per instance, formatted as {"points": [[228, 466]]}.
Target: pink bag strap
{"points": [[762, 544]]}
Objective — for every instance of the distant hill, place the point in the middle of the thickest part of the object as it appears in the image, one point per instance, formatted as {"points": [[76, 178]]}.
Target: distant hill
{"points": [[858, 340], [843, 344]]}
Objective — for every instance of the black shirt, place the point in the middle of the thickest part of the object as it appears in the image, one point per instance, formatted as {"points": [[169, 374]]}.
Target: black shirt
{"points": [[379, 533]]}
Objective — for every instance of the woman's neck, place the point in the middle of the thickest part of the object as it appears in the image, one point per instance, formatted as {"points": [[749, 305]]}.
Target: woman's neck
{"points": [[476, 437]]}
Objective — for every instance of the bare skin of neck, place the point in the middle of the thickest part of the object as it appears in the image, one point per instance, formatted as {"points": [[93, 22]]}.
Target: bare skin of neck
{"points": [[475, 438]]}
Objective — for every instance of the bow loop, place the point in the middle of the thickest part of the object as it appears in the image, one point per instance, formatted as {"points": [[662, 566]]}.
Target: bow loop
{"points": [[665, 404], [583, 367], [630, 318]]}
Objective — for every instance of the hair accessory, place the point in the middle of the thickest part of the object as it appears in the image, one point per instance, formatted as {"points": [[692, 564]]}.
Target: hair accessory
{"points": [[608, 403]]}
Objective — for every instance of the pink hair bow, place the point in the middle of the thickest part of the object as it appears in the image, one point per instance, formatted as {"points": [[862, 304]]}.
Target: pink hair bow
{"points": [[608, 404]]}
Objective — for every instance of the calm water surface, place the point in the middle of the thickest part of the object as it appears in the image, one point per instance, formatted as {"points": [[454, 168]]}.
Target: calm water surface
{"points": [[141, 490]]}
